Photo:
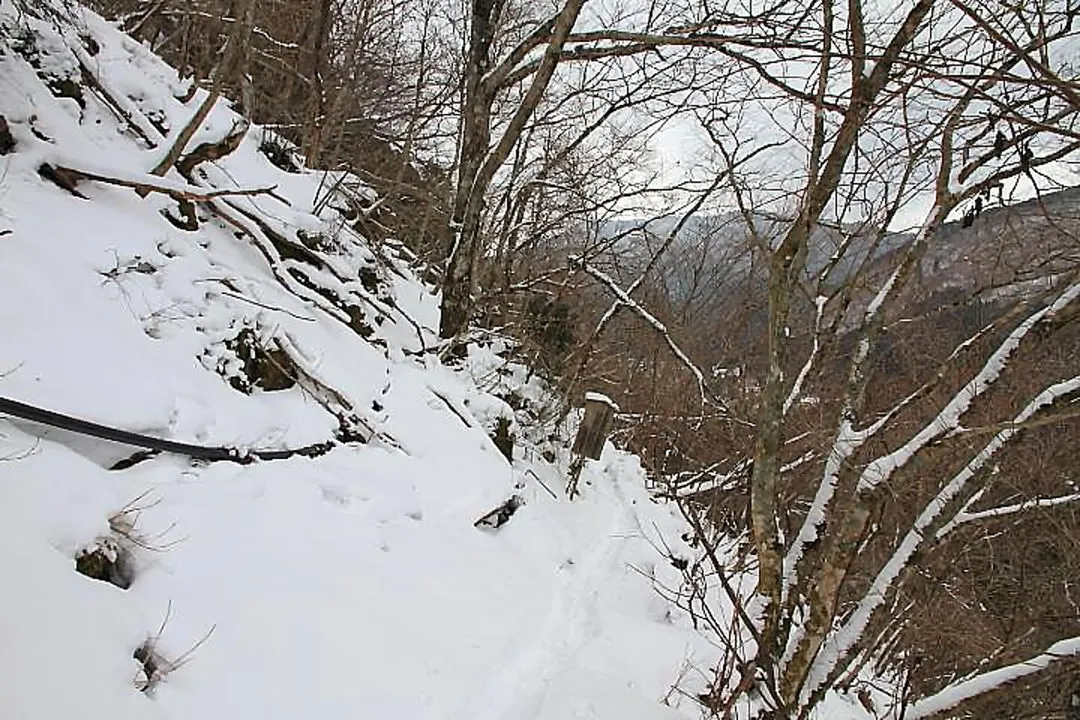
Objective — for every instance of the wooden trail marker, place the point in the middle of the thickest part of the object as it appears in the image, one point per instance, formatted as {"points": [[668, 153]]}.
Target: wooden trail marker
{"points": [[599, 412]]}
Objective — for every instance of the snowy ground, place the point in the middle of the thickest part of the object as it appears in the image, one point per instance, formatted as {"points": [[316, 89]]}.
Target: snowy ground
{"points": [[350, 585]]}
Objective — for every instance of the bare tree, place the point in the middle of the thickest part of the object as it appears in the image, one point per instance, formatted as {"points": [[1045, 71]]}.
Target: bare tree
{"points": [[478, 161], [510, 61], [894, 120]]}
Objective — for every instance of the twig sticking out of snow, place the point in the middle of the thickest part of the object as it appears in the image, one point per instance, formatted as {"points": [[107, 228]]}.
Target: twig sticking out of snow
{"points": [[155, 667]]}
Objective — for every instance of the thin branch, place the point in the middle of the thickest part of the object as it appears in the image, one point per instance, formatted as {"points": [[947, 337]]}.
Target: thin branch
{"points": [[156, 185], [629, 302], [1004, 510]]}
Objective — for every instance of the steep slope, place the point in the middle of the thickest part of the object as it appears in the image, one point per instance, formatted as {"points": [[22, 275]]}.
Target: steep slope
{"points": [[352, 584]]}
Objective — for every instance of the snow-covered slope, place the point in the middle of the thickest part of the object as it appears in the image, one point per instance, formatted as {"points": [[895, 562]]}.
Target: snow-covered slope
{"points": [[350, 585]]}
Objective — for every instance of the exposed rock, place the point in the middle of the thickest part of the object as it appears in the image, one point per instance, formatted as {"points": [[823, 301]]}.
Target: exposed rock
{"points": [[108, 561], [7, 142], [267, 368]]}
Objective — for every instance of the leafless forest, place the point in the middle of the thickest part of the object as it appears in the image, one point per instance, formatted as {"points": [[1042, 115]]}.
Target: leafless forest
{"points": [[842, 331]]}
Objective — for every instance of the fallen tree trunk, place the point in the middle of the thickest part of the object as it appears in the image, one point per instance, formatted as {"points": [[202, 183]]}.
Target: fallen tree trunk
{"points": [[68, 178]]}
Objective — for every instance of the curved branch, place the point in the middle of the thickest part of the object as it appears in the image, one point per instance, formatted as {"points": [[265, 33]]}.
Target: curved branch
{"points": [[952, 695]]}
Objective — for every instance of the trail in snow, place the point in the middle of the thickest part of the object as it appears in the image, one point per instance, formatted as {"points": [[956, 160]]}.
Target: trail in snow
{"points": [[517, 691]]}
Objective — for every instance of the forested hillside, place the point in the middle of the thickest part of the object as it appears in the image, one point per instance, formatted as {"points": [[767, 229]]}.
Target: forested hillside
{"points": [[303, 301]]}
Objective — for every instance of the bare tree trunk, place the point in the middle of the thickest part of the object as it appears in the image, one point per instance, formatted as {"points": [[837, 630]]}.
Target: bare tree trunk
{"points": [[317, 113], [477, 163]]}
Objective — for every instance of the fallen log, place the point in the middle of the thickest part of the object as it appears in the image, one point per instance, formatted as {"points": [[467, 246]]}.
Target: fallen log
{"points": [[69, 177]]}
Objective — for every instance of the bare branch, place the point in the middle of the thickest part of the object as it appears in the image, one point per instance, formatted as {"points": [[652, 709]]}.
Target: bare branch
{"points": [[953, 695], [625, 299], [1003, 511], [154, 184]]}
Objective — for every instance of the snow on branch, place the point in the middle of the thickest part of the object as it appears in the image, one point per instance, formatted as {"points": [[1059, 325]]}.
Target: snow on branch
{"points": [[847, 441], [796, 388], [953, 695], [654, 259], [851, 631], [687, 213], [255, 29], [69, 177], [848, 438], [965, 517], [661, 329], [948, 419]]}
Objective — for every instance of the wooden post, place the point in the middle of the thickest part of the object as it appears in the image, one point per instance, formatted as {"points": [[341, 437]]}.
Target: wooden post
{"points": [[592, 434], [599, 412]]}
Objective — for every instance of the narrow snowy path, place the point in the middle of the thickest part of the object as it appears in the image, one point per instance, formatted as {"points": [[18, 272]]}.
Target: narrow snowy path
{"points": [[516, 691], [351, 585]]}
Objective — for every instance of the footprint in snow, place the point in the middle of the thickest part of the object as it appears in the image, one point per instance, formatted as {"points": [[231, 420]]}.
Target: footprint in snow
{"points": [[335, 495]]}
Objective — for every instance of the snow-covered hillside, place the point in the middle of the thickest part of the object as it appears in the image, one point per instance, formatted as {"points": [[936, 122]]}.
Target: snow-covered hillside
{"points": [[349, 585]]}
